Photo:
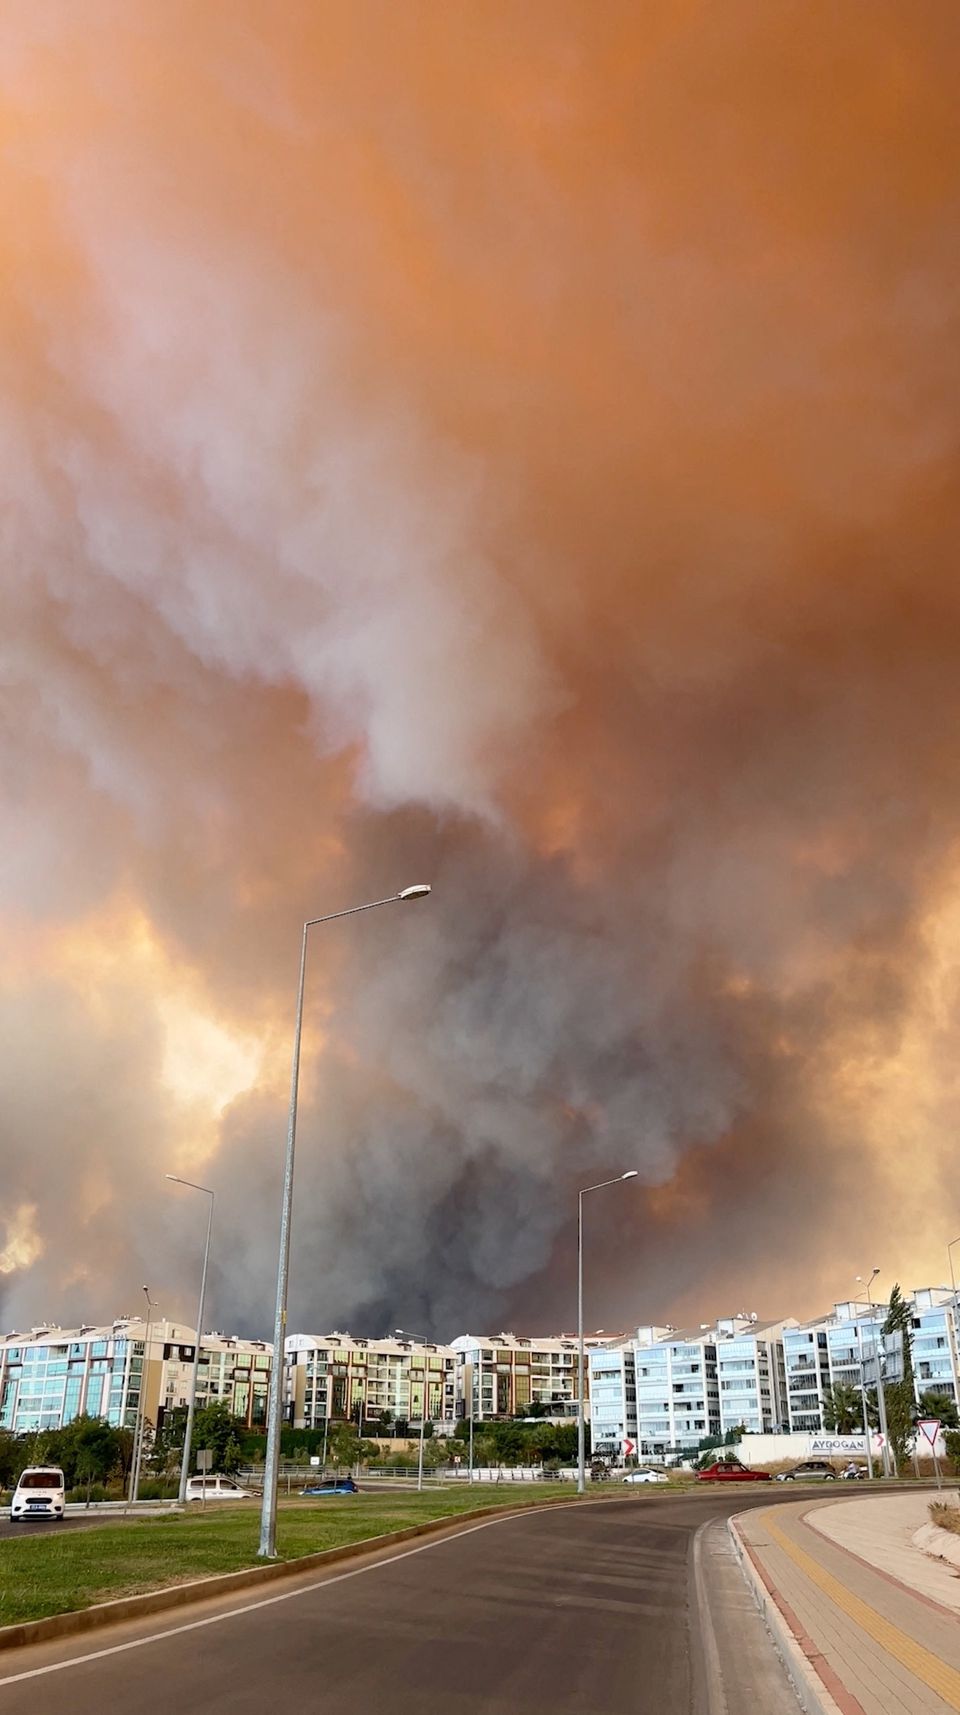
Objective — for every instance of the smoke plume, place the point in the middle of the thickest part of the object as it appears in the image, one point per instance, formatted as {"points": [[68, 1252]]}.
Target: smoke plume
{"points": [[513, 449]]}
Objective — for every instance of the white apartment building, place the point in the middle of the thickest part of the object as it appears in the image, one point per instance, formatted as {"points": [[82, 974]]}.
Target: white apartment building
{"points": [[751, 1376], [838, 1348], [507, 1374], [666, 1390], [339, 1378], [613, 1399], [52, 1375]]}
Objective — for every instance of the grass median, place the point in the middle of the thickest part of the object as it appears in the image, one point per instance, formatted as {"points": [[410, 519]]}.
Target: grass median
{"points": [[71, 1569]]}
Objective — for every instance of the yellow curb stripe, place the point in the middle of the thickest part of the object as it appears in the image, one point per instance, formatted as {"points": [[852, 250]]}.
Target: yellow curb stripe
{"points": [[936, 1674]]}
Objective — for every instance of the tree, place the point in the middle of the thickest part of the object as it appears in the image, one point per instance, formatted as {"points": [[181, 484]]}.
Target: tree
{"points": [[11, 1458], [167, 1450], [842, 1409], [216, 1428], [941, 1405], [898, 1396], [898, 1321]]}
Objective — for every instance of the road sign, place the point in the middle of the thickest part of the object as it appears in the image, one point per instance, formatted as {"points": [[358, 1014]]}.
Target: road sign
{"points": [[204, 1459], [629, 1446], [929, 1428]]}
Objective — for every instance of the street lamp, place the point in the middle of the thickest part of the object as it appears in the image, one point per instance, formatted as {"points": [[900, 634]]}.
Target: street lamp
{"points": [[268, 1515], [953, 1302], [192, 1403], [863, 1385], [878, 1355], [402, 1335], [581, 1463], [142, 1408]]}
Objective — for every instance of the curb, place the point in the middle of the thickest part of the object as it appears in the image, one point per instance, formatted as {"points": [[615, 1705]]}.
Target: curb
{"points": [[100, 1614], [812, 1694]]}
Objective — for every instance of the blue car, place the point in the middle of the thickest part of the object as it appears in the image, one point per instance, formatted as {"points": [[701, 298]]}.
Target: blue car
{"points": [[332, 1486]]}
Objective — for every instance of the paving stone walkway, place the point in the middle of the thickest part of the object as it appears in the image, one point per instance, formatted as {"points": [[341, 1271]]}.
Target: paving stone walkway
{"points": [[878, 1642]]}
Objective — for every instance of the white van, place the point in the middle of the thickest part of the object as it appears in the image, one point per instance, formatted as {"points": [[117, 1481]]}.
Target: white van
{"points": [[215, 1488], [39, 1493]]}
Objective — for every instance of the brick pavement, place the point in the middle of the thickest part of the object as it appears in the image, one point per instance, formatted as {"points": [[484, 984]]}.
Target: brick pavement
{"points": [[874, 1646], [881, 1532]]}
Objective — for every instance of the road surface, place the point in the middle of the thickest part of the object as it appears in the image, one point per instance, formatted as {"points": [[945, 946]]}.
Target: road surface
{"points": [[586, 1609]]}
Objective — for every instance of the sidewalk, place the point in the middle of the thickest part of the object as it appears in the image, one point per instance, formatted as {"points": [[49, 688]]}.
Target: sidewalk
{"points": [[857, 1638]]}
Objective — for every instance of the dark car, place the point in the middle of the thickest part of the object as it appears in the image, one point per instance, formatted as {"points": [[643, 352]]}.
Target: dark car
{"points": [[731, 1471], [810, 1471], [332, 1486]]}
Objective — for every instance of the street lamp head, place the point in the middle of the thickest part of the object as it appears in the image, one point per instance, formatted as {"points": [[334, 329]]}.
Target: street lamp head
{"points": [[634, 1173], [419, 891]]}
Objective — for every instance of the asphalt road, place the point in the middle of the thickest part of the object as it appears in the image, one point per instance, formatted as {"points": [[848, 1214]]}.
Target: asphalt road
{"points": [[588, 1609]]}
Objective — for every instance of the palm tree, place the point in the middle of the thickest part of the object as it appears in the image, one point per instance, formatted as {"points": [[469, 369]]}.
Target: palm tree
{"points": [[842, 1410], [942, 1405]]}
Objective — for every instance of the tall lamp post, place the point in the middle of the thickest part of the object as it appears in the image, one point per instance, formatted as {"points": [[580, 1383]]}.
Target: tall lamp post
{"points": [[863, 1385], [142, 1411], [473, 1369], [881, 1397], [192, 1403], [953, 1303], [403, 1335], [581, 1458], [268, 1514]]}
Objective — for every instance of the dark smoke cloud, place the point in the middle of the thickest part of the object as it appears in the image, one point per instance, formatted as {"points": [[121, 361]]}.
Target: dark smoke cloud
{"points": [[516, 451]]}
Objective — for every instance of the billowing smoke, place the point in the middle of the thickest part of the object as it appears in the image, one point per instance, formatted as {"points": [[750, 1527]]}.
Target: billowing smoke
{"points": [[514, 450]]}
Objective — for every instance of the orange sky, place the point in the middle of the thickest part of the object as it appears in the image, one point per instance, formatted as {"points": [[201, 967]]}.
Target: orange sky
{"points": [[511, 447]]}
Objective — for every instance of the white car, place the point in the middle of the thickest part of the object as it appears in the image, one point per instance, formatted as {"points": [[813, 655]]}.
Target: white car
{"points": [[215, 1488], [39, 1493], [645, 1477]]}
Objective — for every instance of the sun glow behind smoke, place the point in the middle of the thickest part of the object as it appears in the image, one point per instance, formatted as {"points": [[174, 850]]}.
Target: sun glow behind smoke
{"points": [[516, 450]]}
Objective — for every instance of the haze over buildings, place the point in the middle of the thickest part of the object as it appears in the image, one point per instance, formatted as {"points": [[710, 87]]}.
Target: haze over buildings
{"points": [[513, 450]]}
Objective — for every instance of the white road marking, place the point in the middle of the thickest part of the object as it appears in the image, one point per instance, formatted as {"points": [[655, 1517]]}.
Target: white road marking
{"points": [[286, 1595]]}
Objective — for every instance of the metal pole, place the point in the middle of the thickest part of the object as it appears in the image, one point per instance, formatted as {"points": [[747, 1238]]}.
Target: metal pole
{"points": [[192, 1402], [881, 1402], [326, 1426], [863, 1402], [632, 1173], [268, 1513], [423, 1416], [953, 1306], [142, 1413], [581, 1456], [470, 1455]]}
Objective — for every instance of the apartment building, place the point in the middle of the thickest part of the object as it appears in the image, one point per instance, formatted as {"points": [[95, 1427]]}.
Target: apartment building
{"points": [[665, 1389], [507, 1374], [339, 1378], [613, 1399], [839, 1348], [51, 1375], [751, 1374]]}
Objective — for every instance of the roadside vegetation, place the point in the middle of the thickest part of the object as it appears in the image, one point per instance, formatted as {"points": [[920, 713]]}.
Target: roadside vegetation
{"points": [[945, 1515]]}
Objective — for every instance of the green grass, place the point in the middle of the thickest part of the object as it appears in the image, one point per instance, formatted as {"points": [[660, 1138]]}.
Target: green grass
{"points": [[41, 1575]]}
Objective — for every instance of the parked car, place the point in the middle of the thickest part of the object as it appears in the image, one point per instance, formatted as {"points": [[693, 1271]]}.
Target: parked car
{"points": [[39, 1493], [216, 1488], [809, 1471], [731, 1471], [332, 1486], [645, 1477]]}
